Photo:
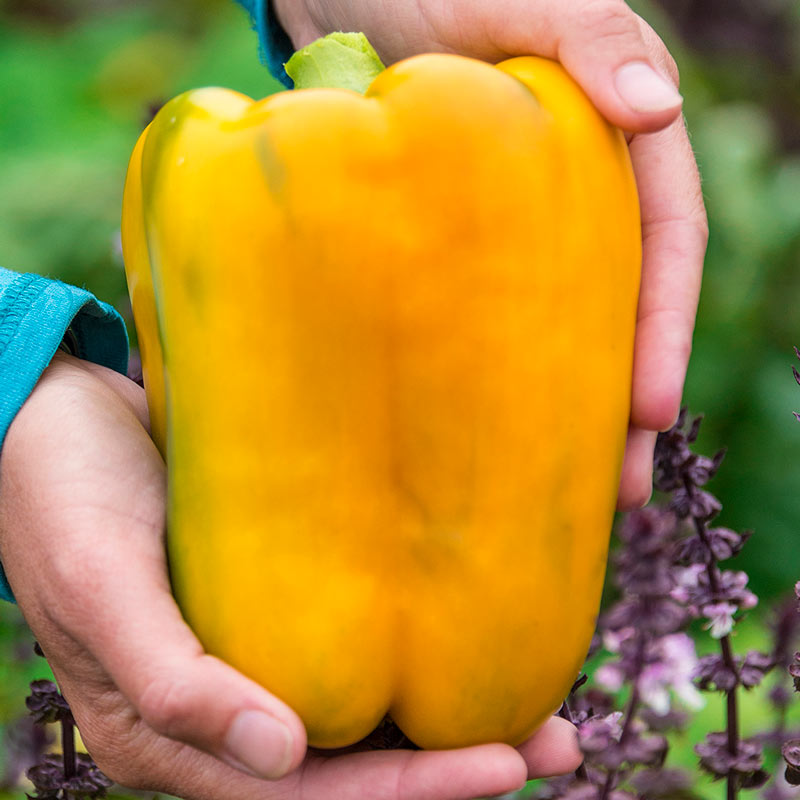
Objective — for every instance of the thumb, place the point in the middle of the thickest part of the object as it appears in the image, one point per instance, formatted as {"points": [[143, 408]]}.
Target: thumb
{"points": [[81, 520], [611, 52], [140, 638]]}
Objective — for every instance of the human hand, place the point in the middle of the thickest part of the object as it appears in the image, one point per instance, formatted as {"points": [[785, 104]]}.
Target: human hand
{"points": [[82, 501], [627, 72]]}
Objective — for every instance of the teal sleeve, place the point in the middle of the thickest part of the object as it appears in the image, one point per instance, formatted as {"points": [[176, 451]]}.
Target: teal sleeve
{"points": [[274, 44], [35, 314]]}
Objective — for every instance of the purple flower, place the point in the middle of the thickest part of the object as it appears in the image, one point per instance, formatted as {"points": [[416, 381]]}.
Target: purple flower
{"points": [[723, 544], [672, 665], [610, 676], [733, 589], [591, 703], [745, 764], [713, 673], [657, 615], [667, 573], [598, 733], [687, 583], [602, 741], [791, 755], [46, 704], [794, 671], [754, 667], [720, 618], [694, 589], [50, 782], [669, 665]]}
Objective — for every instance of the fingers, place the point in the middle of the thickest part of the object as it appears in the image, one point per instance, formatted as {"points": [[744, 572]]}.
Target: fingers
{"points": [[603, 47], [615, 57], [674, 236], [135, 631], [552, 750], [167, 766], [471, 772], [623, 67], [636, 482], [97, 490]]}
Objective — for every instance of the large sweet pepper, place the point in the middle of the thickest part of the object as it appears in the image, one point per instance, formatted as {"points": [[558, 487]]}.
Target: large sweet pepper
{"points": [[387, 342]]}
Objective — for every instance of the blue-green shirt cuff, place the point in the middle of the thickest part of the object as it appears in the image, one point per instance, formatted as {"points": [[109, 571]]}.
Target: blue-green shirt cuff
{"points": [[275, 46], [35, 314]]}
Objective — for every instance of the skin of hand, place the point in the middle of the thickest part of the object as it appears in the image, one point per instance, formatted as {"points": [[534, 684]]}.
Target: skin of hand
{"points": [[82, 507], [628, 74]]}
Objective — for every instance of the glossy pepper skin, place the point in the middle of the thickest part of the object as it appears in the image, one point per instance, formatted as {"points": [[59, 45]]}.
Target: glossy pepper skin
{"points": [[396, 335]]}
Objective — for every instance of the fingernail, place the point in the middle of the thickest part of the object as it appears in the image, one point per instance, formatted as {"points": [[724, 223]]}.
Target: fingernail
{"points": [[644, 89], [260, 743]]}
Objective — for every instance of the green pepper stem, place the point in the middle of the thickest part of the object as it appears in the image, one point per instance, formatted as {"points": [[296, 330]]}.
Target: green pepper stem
{"points": [[338, 60]]}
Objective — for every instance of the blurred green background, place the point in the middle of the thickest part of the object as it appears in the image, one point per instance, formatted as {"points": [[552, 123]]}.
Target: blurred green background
{"points": [[78, 79]]}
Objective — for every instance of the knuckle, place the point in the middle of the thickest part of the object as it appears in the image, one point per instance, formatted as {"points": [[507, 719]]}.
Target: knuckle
{"points": [[666, 62], [610, 18], [659, 52], [166, 705], [697, 225], [701, 224], [670, 65], [680, 344]]}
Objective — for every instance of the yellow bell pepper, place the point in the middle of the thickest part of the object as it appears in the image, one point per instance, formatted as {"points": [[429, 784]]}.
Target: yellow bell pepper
{"points": [[387, 341]]}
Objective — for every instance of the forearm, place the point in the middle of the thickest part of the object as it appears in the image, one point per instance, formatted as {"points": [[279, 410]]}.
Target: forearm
{"points": [[35, 314]]}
